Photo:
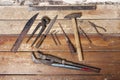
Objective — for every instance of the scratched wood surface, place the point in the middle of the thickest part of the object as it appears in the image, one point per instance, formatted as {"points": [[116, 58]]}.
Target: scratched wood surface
{"points": [[21, 63], [105, 43], [15, 18], [104, 56], [104, 51], [57, 77]]}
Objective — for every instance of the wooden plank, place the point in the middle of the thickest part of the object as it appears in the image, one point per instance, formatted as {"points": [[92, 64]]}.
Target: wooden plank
{"points": [[21, 63], [39, 77], [103, 53], [100, 17], [16, 26], [23, 13], [110, 43], [59, 77]]}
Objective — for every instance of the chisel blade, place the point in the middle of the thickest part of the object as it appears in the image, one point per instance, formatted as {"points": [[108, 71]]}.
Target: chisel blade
{"points": [[23, 33]]}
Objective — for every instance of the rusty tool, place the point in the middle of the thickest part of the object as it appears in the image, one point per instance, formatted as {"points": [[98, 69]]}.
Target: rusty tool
{"points": [[70, 45], [74, 17], [46, 32], [23, 33], [95, 27], [84, 34], [52, 35], [37, 27], [44, 21], [51, 60], [56, 37], [66, 7]]}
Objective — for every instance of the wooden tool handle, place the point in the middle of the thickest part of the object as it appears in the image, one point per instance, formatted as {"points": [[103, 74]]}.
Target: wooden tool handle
{"points": [[77, 39]]}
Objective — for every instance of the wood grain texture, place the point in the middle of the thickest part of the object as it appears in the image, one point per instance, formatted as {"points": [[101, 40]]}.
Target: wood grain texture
{"points": [[54, 77], [21, 63], [16, 25], [104, 52], [108, 43], [18, 16], [100, 12]]}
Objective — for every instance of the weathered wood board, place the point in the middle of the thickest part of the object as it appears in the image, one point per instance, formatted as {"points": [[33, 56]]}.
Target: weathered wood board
{"points": [[15, 17], [56, 77], [104, 52], [20, 63], [106, 43]]}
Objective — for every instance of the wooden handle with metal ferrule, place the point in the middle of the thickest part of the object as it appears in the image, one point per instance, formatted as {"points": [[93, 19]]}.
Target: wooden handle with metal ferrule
{"points": [[77, 39]]}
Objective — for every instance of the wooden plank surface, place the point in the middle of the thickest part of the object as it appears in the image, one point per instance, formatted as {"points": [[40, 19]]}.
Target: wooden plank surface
{"points": [[108, 43], [103, 53], [21, 63], [54, 77], [16, 25], [18, 16]]}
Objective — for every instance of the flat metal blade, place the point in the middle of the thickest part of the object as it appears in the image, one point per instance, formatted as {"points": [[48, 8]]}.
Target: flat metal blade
{"points": [[23, 33]]}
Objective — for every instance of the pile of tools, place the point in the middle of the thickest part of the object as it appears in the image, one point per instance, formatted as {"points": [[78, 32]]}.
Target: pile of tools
{"points": [[45, 26]]}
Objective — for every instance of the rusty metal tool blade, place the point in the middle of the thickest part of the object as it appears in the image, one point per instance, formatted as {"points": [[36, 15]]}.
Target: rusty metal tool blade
{"points": [[46, 32], [95, 27], [39, 34], [23, 33], [56, 7], [44, 21], [38, 26], [57, 39], [53, 37], [84, 34], [70, 45]]}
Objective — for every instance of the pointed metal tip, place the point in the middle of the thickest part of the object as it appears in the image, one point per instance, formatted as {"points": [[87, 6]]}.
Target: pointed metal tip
{"points": [[36, 13], [56, 16]]}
